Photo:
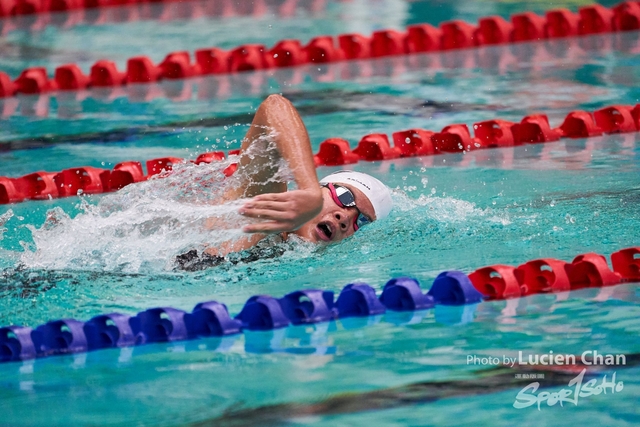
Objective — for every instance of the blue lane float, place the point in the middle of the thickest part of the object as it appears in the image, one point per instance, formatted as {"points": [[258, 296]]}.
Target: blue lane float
{"points": [[454, 288], [358, 299], [109, 330], [159, 325], [16, 343], [211, 319], [404, 294], [308, 306], [262, 313], [59, 337]]}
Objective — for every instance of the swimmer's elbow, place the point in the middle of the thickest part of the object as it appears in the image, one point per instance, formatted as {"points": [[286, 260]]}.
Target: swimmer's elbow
{"points": [[275, 102], [275, 98]]}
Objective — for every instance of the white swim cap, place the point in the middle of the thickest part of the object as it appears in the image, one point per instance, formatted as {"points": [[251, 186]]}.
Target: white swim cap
{"points": [[377, 193]]}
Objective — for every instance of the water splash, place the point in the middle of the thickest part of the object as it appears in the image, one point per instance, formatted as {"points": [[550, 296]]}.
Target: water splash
{"points": [[447, 209], [3, 220], [144, 226]]}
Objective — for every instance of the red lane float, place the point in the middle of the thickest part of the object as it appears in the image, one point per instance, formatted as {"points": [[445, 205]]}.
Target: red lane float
{"points": [[70, 77], [616, 119], [494, 30], [90, 180], [534, 129], [105, 73], [322, 49], [595, 19], [423, 38], [177, 65], [562, 23], [355, 46], [213, 156], [7, 87], [288, 53], [635, 113], [216, 156], [454, 138], [414, 142], [494, 133], [212, 61], [86, 180], [37, 186], [626, 16], [626, 263], [9, 193], [156, 166], [140, 69], [457, 35], [543, 275], [34, 80], [551, 275], [579, 124], [387, 43], [491, 30], [249, 57], [125, 173], [591, 270], [376, 147], [528, 27], [496, 282], [231, 169], [335, 152]]}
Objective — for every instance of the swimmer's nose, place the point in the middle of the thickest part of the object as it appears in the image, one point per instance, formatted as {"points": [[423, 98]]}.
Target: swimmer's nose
{"points": [[343, 221]]}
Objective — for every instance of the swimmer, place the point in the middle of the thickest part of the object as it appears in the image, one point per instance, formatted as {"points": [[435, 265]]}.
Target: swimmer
{"points": [[325, 211]]}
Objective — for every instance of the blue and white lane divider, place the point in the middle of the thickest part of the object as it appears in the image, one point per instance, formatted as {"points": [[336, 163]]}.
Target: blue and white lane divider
{"points": [[211, 319]]}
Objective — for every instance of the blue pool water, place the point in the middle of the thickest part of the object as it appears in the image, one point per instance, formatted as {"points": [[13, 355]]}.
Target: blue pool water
{"points": [[455, 211]]}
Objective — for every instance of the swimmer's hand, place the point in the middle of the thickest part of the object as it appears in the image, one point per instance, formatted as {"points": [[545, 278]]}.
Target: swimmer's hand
{"points": [[282, 211]]}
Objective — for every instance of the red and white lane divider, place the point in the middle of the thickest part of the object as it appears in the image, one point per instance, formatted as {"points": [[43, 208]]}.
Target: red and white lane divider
{"points": [[70, 104], [557, 23], [162, 11], [454, 138], [89, 180], [32, 7]]}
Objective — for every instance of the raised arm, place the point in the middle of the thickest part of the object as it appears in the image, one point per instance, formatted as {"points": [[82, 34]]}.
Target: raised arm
{"points": [[277, 132]]}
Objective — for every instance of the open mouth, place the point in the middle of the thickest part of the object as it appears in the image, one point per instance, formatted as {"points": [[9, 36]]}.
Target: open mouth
{"points": [[325, 231]]}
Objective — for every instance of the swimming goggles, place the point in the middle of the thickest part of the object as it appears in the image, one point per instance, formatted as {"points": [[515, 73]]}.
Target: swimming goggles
{"points": [[344, 198]]}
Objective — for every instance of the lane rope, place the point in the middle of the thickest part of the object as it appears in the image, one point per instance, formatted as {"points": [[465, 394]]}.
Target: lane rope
{"points": [[308, 306], [532, 129], [158, 10], [13, 8], [450, 35]]}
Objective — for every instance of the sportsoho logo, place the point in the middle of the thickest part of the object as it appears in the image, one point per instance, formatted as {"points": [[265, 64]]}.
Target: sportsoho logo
{"points": [[576, 388]]}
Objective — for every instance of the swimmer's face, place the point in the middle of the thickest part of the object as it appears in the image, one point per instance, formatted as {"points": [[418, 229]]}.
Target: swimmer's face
{"points": [[335, 223]]}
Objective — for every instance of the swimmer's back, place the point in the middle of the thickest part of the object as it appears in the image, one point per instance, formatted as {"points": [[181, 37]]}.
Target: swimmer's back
{"points": [[270, 247]]}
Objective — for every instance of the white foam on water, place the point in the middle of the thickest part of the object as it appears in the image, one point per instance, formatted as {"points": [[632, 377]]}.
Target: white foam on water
{"points": [[144, 226], [446, 209], [3, 220]]}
